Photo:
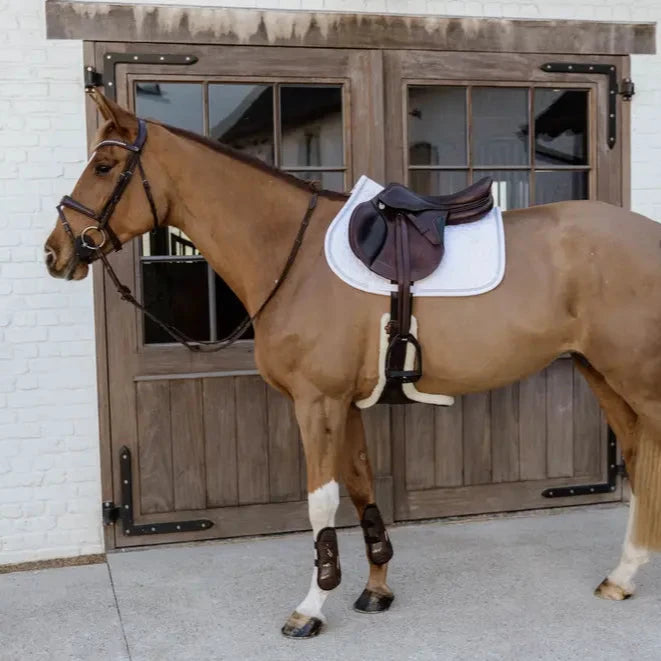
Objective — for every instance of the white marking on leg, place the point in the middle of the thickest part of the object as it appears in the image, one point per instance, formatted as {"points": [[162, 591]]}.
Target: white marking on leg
{"points": [[322, 505], [633, 557]]}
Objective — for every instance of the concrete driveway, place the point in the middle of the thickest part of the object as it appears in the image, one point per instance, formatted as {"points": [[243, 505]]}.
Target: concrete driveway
{"points": [[509, 588]]}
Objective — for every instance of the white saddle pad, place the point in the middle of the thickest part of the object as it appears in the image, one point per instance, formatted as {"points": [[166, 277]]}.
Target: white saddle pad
{"points": [[474, 260]]}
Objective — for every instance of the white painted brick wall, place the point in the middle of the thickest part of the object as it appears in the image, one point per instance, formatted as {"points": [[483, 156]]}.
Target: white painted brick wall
{"points": [[49, 443], [49, 455]]}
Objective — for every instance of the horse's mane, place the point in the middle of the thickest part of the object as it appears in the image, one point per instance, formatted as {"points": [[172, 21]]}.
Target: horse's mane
{"points": [[248, 159]]}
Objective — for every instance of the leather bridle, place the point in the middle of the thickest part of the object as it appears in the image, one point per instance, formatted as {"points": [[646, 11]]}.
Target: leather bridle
{"points": [[87, 250]]}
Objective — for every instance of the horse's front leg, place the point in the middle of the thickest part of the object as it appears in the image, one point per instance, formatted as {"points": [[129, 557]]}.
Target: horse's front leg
{"points": [[322, 422], [357, 474], [619, 583]]}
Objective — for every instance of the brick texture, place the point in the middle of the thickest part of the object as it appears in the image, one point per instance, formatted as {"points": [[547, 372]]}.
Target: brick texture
{"points": [[49, 447]]}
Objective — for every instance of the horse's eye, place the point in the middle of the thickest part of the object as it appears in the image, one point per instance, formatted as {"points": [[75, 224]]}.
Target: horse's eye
{"points": [[102, 168]]}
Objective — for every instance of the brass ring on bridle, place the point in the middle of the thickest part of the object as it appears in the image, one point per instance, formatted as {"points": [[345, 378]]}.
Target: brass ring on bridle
{"points": [[94, 246]]}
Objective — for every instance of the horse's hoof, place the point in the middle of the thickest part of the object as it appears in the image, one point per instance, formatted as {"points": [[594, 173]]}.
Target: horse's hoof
{"points": [[373, 602], [301, 626], [609, 590]]}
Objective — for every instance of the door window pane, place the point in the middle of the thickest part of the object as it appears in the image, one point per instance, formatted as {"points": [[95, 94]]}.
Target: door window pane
{"points": [[229, 311], [561, 127], [311, 127], [560, 185], [177, 293], [177, 104], [499, 126], [242, 116], [178, 284], [511, 188], [437, 182], [437, 125]]}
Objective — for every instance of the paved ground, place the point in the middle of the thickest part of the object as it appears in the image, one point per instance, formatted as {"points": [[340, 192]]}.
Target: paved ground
{"points": [[512, 589]]}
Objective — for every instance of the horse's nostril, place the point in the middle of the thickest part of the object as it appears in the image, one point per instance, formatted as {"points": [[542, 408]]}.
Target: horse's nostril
{"points": [[49, 256]]}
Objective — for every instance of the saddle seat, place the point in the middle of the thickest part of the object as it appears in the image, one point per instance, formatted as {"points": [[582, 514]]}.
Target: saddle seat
{"points": [[461, 203], [398, 235]]}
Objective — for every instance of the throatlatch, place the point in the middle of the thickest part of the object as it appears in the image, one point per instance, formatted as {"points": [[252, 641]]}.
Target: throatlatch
{"points": [[329, 572], [377, 541]]}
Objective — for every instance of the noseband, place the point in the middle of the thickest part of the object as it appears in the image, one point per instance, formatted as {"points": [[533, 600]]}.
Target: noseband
{"points": [[87, 249]]}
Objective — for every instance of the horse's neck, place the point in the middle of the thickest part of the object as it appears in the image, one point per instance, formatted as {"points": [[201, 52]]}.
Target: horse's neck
{"points": [[241, 218]]}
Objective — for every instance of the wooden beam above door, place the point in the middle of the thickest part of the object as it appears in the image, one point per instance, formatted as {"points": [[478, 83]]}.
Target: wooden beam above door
{"points": [[95, 21]]}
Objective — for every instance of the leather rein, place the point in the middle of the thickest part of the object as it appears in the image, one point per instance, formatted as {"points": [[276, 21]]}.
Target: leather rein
{"points": [[87, 250]]}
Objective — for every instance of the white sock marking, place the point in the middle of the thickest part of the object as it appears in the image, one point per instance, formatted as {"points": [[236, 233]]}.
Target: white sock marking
{"points": [[322, 505], [633, 557]]}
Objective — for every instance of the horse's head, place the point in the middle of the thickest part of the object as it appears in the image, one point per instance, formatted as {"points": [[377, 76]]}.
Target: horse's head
{"points": [[112, 202]]}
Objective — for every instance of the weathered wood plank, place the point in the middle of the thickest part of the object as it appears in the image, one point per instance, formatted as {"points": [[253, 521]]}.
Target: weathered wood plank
{"points": [[96, 21], [419, 430], [187, 423], [532, 427], [587, 429], [503, 497], [505, 434], [477, 439], [560, 418], [154, 447], [252, 440], [284, 469], [449, 442], [220, 437]]}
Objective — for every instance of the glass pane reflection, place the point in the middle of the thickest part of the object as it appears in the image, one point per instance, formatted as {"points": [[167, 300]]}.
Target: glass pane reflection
{"points": [[561, 126], [229, 311], [311, 126], [511, 188], [176, 292], [177, 104], [437, 125], [437, 182], [560, 185], [500, 120], [242, 116]]}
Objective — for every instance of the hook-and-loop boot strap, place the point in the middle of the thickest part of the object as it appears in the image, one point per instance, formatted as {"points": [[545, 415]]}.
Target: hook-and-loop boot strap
{"points": [[329, 573], [377, 541]]}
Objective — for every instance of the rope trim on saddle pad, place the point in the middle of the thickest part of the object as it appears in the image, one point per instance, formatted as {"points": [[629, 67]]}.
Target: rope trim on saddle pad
{"points": [[408, 389]]}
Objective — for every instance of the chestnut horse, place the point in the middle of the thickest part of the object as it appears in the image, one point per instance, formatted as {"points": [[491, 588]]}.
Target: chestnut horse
{"points": [[582, 277]]}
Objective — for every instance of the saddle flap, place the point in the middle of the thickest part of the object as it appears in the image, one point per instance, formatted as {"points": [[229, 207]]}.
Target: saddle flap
{"points": [[367, 232], [430, 224], [372, 239]]}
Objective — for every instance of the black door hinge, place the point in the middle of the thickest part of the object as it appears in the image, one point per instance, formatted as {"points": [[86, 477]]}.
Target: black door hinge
{"points": [[92, 78], [123, 513], [107, 80], [613, 471], [110, 513], [626, 89]]}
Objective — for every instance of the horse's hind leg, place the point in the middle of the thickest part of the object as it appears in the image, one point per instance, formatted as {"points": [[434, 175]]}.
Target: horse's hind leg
{"points": [[624, 421], [619, 583], [357, 474], [322, 423]]}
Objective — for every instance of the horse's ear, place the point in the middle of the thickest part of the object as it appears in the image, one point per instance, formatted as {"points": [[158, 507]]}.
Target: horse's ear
{"points": [[122, 119]]}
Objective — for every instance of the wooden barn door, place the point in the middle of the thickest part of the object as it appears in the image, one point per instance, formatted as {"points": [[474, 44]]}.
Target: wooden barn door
{"points": [[543, 136], [212, 449]]}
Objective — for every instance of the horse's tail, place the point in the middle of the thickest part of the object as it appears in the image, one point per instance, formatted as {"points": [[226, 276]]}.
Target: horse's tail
{"points": [[647, 531]]}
